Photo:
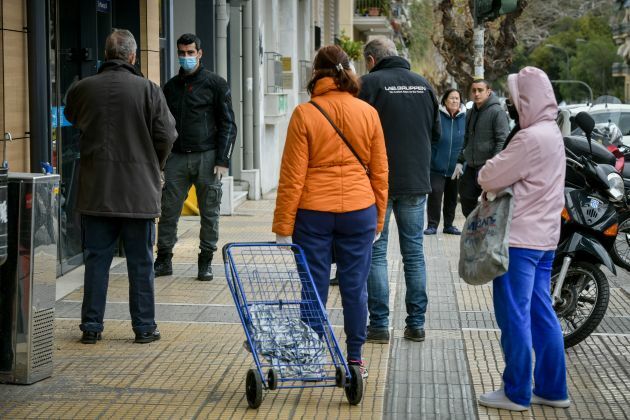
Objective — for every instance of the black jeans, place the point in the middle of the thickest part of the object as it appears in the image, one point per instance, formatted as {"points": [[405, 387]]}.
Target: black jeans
{"points": [[100, 236], [469, 190], [441, 186]]}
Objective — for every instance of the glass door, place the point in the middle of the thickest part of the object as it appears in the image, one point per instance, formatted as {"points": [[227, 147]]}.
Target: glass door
{"points": [[78, 30], [77, 45]]}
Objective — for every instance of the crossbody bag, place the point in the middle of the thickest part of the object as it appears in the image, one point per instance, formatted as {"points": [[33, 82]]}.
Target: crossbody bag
{"points": [[345, 140]]}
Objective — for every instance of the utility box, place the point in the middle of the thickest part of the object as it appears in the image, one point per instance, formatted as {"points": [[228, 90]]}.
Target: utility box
{"points": [[27, 278]]}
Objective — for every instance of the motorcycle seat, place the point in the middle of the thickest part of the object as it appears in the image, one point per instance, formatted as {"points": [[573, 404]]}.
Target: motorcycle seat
{"points": [[579, 146]]}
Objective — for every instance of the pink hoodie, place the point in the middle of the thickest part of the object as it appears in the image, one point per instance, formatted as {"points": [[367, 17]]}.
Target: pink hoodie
{"points": [[533, 164]]}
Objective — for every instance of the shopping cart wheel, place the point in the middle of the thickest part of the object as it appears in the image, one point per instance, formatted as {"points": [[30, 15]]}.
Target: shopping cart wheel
{"points": [[354, 390], [272, 379], [340, 376], [254, 388]]}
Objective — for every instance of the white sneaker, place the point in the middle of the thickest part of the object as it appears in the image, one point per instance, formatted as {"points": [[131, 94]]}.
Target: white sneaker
{"points": [[551, 403], [362, 367], [498, 399]]}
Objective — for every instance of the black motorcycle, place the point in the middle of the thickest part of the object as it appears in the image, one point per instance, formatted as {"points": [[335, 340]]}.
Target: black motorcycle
{"points": [[580, 290], [601, 153]]}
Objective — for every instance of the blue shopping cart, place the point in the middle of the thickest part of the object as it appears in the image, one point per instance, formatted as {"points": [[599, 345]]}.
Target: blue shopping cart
{"points": [[285, 322]]}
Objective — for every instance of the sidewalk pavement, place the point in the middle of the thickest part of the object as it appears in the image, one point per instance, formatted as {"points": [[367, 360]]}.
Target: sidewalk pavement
{"points": [[197, 369]]}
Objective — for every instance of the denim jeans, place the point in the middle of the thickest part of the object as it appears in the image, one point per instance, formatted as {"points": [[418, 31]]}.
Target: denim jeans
{"points": [[524, 312], [100, 236], [409, 213], [183, 170]]}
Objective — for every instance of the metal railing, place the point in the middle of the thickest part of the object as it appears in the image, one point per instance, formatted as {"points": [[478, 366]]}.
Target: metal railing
{"points": [[372, 7], [273, 72]]}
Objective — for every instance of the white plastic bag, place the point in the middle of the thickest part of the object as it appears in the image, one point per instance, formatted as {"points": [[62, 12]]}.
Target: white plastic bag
{"points": [[484, 245]]}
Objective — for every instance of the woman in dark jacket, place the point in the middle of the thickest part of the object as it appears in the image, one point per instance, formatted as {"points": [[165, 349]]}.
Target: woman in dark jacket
{"points": [[443, 160]]}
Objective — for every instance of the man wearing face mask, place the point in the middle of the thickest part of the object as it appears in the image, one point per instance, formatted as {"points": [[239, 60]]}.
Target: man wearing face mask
{"points": [[201, 103]]}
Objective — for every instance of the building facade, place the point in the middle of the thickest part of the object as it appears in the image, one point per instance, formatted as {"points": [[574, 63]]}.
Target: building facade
{"points": [[264, 48]]}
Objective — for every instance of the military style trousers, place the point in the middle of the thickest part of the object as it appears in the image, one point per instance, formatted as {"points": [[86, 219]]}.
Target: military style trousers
{"points": [[183, 170]]}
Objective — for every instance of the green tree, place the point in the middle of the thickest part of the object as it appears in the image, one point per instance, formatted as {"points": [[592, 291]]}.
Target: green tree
{"points": [[421, 14], [587, 43], [453, 39]]}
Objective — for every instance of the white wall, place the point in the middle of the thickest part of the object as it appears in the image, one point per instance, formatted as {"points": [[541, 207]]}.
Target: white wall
{"points": [[286, 29], [183, 22]]}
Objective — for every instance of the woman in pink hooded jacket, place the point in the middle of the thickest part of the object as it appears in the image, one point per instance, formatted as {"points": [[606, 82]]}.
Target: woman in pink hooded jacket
{"points": [[532, 164]]}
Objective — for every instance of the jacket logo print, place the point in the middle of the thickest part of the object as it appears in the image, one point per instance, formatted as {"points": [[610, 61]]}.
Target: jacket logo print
{"points": [[405, 89]]}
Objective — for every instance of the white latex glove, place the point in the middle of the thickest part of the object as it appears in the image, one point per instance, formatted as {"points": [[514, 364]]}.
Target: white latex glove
{"points": [[220, 171], [283, 239], [376, 237], [488, 196], [162, 180], [459, 170]]}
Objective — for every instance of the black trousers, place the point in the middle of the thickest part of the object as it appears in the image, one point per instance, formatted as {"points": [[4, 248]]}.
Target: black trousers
{"points": [[442, 187], [469, 190]]}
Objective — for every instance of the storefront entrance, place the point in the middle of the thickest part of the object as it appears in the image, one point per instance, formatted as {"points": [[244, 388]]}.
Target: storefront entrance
{"points": [[78, 32]]}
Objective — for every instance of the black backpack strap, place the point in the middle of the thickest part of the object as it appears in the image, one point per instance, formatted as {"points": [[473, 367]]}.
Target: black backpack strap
{"points": [[345, 140]]}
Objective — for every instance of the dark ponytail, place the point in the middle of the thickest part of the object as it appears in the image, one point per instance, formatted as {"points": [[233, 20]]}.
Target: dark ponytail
{"points": [[332, 61]]}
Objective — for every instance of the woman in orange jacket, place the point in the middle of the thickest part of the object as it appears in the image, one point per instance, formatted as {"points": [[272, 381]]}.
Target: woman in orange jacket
{"points": [[328, 192]]}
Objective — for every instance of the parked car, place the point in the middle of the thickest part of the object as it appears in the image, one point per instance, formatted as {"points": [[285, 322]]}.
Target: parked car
{"points": [[603, 113]]}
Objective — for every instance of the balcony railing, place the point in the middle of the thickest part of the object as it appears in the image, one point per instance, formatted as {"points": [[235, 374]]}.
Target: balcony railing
{"points": [[273, 71], [620, 70], [371, 7], [621, 30]]}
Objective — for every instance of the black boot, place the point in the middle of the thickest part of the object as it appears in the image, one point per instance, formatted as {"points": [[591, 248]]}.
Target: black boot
{"points": [[205, 266], [163, 265]]}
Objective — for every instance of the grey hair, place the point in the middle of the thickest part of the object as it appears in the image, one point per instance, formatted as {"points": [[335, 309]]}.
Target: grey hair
{"points": [[120, 44], [380, 47]]}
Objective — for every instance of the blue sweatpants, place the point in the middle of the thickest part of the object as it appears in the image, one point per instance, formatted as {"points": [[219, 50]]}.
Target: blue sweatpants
{"points": [[524, 312], [352, 233]]}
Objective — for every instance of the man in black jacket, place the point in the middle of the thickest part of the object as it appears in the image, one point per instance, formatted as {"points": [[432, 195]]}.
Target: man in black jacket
{"points": [[202, 105], [127, 133], [408, 110], [487, 127]]}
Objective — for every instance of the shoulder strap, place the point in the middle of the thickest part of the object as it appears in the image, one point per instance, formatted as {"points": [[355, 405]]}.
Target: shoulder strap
{"points": [[365, 168]]}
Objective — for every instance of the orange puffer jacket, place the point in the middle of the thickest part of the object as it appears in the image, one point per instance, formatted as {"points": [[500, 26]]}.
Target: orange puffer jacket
{"points": [[319, 172]]}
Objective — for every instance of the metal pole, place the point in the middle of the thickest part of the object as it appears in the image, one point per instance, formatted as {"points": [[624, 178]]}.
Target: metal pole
{"points": [[248, 109], [38, 91], [590, 91], [236, 84], [478, 39], [221, 42], [256, 62]]}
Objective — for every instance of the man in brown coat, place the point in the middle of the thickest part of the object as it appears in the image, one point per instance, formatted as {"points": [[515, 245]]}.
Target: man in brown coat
{"points": [[127, 133]]}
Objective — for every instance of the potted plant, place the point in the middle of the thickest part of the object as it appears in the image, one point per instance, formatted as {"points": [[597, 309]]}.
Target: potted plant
{"points": [[354, 49]]}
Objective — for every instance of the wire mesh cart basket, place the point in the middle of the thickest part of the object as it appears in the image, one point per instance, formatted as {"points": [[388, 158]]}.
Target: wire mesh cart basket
{"points": [[287, 327]]}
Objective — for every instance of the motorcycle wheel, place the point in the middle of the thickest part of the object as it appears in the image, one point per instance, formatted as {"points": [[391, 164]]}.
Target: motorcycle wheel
{"points": [[585, 294], [620, 252]]}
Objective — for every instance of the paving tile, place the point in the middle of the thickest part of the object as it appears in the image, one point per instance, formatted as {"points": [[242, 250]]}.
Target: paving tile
{"points": [[198, 368]]}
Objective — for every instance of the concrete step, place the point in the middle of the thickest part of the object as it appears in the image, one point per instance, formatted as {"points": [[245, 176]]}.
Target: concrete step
{"points": [[238, 198], [241, 186]]}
